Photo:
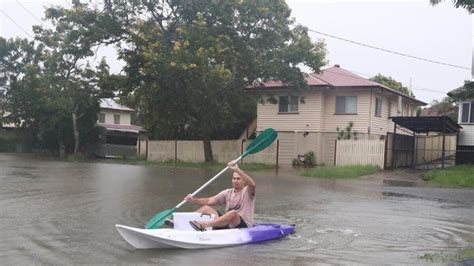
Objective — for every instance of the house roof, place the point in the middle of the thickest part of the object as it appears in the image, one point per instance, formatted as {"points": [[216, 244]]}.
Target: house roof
{"points": [[425, 124], [111, 104], [336, 77]]}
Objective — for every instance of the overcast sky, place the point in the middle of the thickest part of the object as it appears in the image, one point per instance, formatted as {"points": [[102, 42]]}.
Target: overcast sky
{"points": [[413, 27]]}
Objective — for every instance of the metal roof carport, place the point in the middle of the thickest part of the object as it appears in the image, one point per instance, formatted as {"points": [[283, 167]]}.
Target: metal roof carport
{"points": [[426, 124]]}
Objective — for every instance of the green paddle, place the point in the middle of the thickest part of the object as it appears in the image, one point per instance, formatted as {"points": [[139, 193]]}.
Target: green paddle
{"points": [[261, 142]]}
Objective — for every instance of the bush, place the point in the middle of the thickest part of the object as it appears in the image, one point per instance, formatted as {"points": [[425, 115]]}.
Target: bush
{"points": [[306, 160], [7, 144]]}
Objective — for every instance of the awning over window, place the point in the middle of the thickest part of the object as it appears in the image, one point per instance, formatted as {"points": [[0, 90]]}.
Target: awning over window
{"points": [[425, 124]]}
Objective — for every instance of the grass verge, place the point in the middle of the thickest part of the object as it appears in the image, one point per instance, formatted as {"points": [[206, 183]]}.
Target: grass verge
{"points": [[456, 176], [349, 171], [447, 257], [181, 164]]}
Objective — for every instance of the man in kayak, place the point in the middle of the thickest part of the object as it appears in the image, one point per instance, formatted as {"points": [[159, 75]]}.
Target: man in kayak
{"points": [[239, 203]]}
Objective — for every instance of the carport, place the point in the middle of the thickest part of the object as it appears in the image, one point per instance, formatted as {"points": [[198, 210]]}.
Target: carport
{"points": [[424, 125]]}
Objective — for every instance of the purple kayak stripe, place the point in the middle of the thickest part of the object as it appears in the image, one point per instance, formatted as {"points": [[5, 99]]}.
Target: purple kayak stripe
{"points": [[263, 232]]}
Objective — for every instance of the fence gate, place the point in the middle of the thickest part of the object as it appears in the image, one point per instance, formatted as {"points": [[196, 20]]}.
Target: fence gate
{"points": [[400, 153]]}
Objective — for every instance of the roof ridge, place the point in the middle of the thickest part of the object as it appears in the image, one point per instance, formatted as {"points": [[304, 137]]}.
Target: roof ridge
{"points": [[317, 76]]}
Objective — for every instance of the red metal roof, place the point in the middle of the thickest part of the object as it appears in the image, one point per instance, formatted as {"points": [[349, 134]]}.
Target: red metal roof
{"points": [[339, 77], [334, 77]]}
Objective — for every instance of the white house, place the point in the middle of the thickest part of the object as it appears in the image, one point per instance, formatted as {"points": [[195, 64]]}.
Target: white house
{"points": [[310, 120], [465, 101], [117, 136]]}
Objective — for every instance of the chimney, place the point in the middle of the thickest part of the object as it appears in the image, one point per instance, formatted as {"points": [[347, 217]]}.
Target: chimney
{"points": [[337, 65]]}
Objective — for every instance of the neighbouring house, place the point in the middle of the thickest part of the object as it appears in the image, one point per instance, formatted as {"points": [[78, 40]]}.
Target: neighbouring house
{"points": [[465, 145], [117, 137], [430, 111], [309, 120]]}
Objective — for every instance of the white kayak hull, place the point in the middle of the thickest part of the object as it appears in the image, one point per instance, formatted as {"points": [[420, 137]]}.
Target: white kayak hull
{"points": [[170, 238]]}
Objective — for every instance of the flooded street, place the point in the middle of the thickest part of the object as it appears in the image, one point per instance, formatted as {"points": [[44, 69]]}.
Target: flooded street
{"points": [[64, 212]]}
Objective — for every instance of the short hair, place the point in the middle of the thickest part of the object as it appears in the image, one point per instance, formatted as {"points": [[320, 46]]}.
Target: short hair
{"points": [[235, 174]]}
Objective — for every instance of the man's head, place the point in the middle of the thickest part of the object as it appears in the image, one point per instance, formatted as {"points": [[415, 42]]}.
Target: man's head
{"points": [[237, 182]]}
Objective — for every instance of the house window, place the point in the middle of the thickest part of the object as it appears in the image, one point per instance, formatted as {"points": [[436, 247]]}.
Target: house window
{"points": [[378, 107], [117, 119], [346, 104], [389, 109], [102, 118], [288, 104], [467, 112]]}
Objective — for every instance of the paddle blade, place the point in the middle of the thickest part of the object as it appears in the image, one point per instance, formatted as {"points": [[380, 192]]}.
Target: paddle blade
{"points": [[263, 140], [159, 219]]}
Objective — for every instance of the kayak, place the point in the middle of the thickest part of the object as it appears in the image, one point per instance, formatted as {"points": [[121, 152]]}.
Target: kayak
{"points": [[172, 238]]}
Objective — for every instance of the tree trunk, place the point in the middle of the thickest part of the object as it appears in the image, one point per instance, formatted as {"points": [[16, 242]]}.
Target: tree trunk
{"points": [[207, 148], [76, 132]]}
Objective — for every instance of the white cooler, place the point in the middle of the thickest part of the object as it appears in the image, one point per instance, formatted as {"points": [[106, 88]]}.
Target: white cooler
{"points": [[181, 220]]}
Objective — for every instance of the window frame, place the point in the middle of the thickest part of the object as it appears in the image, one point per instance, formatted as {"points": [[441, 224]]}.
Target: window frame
{"points": [[345, 112], [389, 109], [470, 112], [378, 111], [116, 121], [102, 115], [289, 104]]}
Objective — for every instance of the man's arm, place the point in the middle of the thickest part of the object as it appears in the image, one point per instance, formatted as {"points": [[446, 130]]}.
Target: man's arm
{"points": [[201, 201], [248, 180]]}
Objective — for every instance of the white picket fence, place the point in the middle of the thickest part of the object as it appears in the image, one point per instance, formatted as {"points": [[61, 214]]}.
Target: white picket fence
{"points": [[360, 152]]}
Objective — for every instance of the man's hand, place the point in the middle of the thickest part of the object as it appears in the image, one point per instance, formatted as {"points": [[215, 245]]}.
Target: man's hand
{"points": [[233, 165], [189, 198]]}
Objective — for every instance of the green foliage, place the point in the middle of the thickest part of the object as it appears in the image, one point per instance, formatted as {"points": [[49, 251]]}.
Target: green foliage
{"points": [[463, 93], [457, 176], [340, 171], [51, 92], [8, 144], [461, 255], [187, 63], [447, 106], [306, 160], [393, 84], [347, 132], [180, 164]]}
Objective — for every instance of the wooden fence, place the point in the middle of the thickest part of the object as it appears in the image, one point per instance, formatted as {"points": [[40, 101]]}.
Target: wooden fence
{"points": [[193, 151], [430, 148], [383, 153], [360, 152]]}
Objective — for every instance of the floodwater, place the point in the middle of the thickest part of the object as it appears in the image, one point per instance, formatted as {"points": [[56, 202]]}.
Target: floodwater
{"points": [[64, 213]]}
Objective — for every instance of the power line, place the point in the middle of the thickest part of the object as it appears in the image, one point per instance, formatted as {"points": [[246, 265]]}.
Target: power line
{"points": [[31, 13], [419, 87], [14, 22], [389, 51]]}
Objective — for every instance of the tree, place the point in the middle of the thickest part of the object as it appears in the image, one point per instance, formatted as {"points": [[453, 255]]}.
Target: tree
{"points": [[447, 106], [52, 92], [71, 81], [467, 4], [22, 98], [187, 62], [463, 93], [392, 83]]}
